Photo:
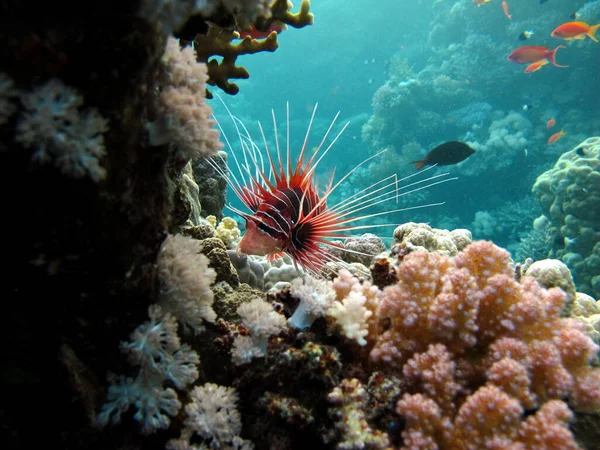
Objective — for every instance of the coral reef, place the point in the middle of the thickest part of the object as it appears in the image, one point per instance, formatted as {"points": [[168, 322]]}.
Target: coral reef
{"points": [[553, 273], [587, 310], [101, 122], [217, 41], [507, 223], [412, 236], [315, 298], [507, 137], [211, 185], [279, 270], [262, 321], [227, 230], [463, 326], [569, 195], [360, 249], [349, 401], [132, 322], [249, 271], [532, 244], [457, 90]]}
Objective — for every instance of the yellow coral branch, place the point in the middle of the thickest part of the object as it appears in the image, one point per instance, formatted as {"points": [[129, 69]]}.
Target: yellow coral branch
{"points": [[280, 12], [218, 42]]}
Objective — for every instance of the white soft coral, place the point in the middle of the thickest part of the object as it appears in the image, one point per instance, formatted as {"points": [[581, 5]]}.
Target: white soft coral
{"points": [[7, 92], [185, 280], [355, 305], [156, 349], [185, 118], [316, 296], [59, 132], [262, 321], [212, 416], [352, 315], [345, 299]]}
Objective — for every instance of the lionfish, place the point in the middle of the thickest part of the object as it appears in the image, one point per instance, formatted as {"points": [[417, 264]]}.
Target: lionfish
{"points": [[288, 214]]}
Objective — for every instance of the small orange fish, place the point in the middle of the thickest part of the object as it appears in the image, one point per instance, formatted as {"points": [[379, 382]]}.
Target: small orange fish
{"points": [[480, 2], [534, 67], [257, 34], [575, 30], [555, 137], [550, 123], [505, 8]]}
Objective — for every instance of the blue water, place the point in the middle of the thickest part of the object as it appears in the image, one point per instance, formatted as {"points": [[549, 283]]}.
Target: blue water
{"points": [[410, 75]]}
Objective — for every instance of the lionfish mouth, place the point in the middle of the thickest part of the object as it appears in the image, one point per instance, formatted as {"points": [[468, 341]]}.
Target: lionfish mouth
{"points": [[288, 214]]}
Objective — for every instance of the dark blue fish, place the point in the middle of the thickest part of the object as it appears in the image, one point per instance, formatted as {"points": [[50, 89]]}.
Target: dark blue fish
{"points": [[446, 154]]}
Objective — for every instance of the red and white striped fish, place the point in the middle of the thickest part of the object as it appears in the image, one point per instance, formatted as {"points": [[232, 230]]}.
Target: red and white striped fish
{"points": [[287, 214]]}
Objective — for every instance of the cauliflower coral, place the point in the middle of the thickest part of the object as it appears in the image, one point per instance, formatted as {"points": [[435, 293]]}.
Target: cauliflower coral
{"points": [[473, 342]]}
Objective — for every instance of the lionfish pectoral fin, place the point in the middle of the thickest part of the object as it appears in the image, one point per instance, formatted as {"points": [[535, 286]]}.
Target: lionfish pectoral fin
{"points": [[275, 256]]}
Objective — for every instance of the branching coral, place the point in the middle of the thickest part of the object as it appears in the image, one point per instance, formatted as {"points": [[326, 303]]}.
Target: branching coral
{"points": [[348, 402], [280, 12], [350, 303], [352, 315], [488, 419], [456, 325], [218, 41], [355, 307]]}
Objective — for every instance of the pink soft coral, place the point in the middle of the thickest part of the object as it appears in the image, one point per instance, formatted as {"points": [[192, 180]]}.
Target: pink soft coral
{"points": [[464, 324]]}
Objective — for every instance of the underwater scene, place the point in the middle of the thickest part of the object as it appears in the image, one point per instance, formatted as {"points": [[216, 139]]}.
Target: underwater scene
{"points": [[326, 224]]}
